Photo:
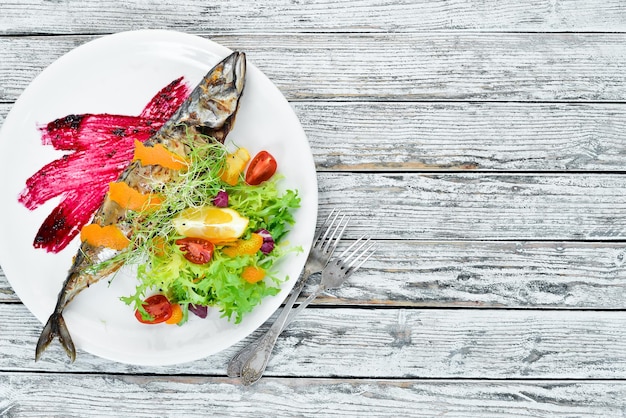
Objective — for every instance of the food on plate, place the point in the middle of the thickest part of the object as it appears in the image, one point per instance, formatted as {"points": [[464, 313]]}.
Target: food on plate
{"points": [[217, 225], [158, 308], [261, 168], [209, 111], [236, 162], [96, 149], [202, 251]]}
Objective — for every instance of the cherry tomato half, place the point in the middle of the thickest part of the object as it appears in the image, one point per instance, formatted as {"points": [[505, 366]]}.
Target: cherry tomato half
{"points": [[196, 250], [261, 168], [158, 307]]}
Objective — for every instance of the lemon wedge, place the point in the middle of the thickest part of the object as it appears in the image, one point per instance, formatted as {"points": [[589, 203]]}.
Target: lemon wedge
{"points": [[217, 225]]}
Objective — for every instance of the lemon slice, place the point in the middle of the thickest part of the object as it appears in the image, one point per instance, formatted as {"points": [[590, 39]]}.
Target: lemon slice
{"points": [[214, 224]]}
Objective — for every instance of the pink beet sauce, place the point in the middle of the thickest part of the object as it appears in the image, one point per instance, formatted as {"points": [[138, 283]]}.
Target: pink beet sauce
{"points": [[101, 148]]}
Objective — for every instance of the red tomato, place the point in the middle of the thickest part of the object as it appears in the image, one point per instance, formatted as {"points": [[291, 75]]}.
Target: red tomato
{"points": [[196, 250], [262, 167], [158, 307]]}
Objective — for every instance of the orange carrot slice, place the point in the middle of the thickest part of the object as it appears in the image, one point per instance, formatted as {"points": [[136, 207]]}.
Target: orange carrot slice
{"points": [[253, 274], [177, 314], [248, 246], [108, 236], [158, 155], [129, 198]]}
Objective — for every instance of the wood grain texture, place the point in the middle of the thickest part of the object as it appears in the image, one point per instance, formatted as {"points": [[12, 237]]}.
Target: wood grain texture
{"points": [[75, 16], [80, 395], [386, 343], [438, 66], [489, 274], [480, 274], [477, 206], [465, 136]]}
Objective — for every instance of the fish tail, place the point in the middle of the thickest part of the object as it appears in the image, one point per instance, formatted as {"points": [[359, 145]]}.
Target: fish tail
{"points": [[55, 327]]}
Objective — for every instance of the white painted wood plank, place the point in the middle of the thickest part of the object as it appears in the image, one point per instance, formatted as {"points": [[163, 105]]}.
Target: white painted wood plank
{"points": [[375, 136], [478, 206], [443, 66], [76, 16], [400, 67], [461, 136], [489, 274], [529, 275], [387, 343], [81, 395]]}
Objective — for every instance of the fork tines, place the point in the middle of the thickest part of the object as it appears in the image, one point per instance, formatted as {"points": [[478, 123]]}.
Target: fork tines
{"points": [[334, 231], [352, 258]]}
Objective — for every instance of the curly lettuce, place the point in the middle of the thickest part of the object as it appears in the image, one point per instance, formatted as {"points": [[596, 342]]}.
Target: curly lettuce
{"points": [[162, 267]]}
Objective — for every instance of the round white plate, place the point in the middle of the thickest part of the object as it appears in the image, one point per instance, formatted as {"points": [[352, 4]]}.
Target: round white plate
{"points": [[119, 74]]}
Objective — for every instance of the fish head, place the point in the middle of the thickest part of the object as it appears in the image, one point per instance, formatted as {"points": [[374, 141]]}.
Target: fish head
{"points": [[212, 106]]}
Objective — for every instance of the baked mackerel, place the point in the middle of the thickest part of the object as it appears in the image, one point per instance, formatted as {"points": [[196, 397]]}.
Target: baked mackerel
{"points": [[210, 110]]}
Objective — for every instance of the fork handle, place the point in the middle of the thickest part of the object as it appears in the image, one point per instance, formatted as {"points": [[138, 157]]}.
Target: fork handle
{"points": [[319, 290], [253, 368], [236, 363]]}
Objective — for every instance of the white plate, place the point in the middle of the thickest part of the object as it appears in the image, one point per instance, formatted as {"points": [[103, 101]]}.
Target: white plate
{"points": [[119, 74]]}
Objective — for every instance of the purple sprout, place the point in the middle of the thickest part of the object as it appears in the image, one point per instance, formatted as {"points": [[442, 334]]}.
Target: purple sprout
{"points": [[268, 241], [221, 199]]}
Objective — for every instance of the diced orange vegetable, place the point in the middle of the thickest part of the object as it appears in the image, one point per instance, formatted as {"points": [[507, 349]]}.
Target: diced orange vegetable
{"points": [[108, 236], [158, 155], [248, 246], [129, 198], [177, 314], [235, 163], [253, 274]]}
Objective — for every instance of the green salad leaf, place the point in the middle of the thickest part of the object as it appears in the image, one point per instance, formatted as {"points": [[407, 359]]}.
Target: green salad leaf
{"points": [[162, 267]]}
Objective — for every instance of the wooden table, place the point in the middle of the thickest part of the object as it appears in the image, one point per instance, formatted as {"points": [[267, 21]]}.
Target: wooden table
{"points": [[482, 144]]}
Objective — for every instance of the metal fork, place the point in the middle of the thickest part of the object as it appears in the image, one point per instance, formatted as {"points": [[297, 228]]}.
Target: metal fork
{"points": [[324, 244], [333, 276]]}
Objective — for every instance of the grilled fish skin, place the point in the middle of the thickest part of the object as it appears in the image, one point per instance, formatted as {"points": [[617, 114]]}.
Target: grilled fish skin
{"points": [[210, 110]]}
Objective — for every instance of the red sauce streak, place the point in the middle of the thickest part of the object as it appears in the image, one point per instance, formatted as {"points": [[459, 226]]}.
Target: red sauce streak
{"points": [[102, 147]]}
